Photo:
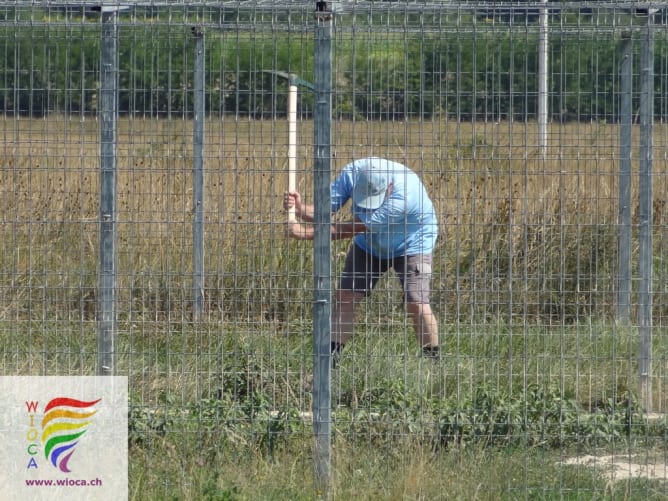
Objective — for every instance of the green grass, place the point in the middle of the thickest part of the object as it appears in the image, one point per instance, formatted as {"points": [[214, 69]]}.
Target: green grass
{"points": [[493, 420], [371, 474], [362, 471]]}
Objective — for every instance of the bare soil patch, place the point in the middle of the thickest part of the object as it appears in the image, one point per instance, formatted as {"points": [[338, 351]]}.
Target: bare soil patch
{"points": [[624, 466]]}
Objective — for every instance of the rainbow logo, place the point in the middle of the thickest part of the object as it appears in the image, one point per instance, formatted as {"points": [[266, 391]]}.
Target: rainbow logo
{"points": [[65, 421]]}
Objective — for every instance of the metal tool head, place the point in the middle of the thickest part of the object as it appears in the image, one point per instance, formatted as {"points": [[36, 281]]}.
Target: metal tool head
{"points": [[292, 79]]}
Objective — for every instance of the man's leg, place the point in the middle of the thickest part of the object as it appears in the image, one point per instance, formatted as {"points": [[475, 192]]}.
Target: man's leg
{"points": [[343, 315], [424, 323], [415, 275], [360, 274]]}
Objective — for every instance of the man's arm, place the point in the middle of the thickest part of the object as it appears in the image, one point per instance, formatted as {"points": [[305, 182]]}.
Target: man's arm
{"points": [[303, 211], [339, 231]]}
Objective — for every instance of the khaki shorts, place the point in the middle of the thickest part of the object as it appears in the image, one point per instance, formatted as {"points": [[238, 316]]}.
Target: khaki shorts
{"points": [[362, 271]]}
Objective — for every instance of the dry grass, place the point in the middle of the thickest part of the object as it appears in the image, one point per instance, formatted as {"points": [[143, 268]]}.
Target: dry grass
{"points": [[510, 219]]}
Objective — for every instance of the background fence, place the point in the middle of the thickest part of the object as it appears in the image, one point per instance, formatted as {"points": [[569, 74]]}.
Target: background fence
{"points": [[143, 162]]}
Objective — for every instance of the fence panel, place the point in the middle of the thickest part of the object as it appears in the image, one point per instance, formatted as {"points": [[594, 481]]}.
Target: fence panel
{"points": [[546, 382]]}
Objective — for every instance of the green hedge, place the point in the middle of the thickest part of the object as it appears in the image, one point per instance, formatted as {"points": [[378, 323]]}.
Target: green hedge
{"points": [[393, 76]]}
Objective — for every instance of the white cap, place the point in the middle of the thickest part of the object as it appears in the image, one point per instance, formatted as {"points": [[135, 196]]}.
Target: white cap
{"points": [[370, 186]]}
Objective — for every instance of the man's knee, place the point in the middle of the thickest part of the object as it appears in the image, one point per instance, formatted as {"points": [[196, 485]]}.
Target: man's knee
{"points": [[347, 297], [418, 309], [413, 307]]}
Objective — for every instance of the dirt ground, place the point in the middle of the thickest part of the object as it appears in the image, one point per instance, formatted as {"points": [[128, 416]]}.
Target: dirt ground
{"points": [[622, 467]]}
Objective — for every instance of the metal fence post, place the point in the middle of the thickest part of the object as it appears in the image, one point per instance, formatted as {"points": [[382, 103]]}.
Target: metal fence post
{"points": [[322, 293], [624, 216], [198, 174], [108, 146], [645, 216], [542, 79]]}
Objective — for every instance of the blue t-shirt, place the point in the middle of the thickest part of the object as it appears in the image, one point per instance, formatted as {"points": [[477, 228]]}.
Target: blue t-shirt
{"points": [[404, 225]]}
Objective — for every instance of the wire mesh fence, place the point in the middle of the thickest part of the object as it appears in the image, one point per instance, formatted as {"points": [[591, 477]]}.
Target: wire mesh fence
{"points": [[145, 155]]}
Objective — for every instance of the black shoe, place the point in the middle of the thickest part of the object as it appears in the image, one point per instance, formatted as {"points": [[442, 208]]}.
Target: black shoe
{"points": [[431, 352], [336, 354], [336, 359]]}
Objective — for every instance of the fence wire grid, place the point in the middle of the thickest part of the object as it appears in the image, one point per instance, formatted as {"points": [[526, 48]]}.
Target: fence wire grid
{"points": [[145, 152]]}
